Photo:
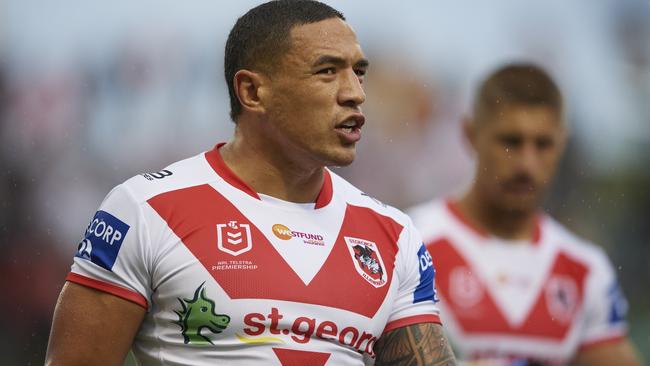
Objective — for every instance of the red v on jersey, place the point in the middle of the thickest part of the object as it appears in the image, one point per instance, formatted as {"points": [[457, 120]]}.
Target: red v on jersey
{"points": [[550, 316], [194, 213], [291, 357]]}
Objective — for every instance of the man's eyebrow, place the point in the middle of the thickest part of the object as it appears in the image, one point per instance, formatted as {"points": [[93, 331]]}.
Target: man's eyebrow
{"points": [[339, 61], [362, 63]]}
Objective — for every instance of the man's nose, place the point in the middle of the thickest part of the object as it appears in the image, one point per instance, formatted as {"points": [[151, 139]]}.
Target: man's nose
{"points": [[529, 158], [351, 91]]}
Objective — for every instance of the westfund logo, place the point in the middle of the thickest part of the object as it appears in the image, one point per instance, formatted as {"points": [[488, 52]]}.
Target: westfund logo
{"points": [[284, 233]]}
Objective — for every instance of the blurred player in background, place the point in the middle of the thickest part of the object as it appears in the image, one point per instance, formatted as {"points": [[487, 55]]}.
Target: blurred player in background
{"points": [[254, 253], [516, 287]]}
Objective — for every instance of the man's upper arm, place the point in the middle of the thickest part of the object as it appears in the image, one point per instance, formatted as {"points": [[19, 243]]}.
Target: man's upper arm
{"points": [[106, 294], [91, 327], [620, 353], [418, 344], [413, 334], [603, 340]]}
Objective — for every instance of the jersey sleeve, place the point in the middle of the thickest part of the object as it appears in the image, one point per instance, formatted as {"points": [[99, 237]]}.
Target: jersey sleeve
{"points": [[113, 255], [606, 307], [416, 299]]}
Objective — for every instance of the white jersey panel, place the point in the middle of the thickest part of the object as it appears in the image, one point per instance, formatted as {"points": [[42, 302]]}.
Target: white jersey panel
{"points": [[186, 173]]}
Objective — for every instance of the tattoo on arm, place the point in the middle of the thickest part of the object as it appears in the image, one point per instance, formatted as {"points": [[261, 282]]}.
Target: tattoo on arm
{"points": [[415, 345]]}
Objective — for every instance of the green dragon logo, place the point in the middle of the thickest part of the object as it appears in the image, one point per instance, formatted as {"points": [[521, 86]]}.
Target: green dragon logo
{"points": [[197, 314]]}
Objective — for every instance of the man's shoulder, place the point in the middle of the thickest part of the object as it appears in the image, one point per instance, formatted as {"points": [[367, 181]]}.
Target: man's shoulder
{"points": [[572, 243], [356, 197], [189, 172], [431, 217], [431, 211]]}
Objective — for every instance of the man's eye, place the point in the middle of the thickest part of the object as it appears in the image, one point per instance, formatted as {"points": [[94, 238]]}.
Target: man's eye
{"points": [[510, 142], [360, 72], [327, 71], [544, 143]]}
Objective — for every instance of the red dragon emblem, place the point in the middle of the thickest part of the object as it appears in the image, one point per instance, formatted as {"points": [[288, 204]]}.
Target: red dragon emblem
{"points": [[367, 260]]}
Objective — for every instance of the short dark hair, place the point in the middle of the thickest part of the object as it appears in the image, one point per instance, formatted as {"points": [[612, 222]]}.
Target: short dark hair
{"points": [[261, 35], [520, 85]]}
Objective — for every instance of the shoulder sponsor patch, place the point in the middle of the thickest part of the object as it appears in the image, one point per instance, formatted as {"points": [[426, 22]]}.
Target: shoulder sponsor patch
{"points": [[103, 240], [618, 305], [425, 289]]}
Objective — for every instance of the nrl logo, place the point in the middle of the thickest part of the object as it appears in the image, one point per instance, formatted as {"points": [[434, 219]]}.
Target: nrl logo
{"points": [[198, 314], [234, 238], [367, 261]]}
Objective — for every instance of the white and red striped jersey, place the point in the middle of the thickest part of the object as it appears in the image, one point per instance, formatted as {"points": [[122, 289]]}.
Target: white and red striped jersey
{"points": [[509, 302], [230, 276]]}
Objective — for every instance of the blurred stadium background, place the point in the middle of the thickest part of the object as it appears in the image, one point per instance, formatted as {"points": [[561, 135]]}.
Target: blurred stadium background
{"points": [[92, 93]]}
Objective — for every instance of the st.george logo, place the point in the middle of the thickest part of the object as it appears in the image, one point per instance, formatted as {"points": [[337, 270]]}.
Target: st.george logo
{"points": [[234, 238], [367, 261]]}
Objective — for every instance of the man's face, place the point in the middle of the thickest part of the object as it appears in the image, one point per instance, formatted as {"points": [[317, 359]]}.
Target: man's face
{"points": [[314, 95], [518, 149]]}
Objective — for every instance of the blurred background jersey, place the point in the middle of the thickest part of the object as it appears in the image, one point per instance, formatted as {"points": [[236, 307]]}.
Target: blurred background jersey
{"points": [[512, 301]]}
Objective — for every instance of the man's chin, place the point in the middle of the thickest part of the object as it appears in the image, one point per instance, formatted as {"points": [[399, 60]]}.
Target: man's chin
{"points": [[341, 163], [341, 158]]}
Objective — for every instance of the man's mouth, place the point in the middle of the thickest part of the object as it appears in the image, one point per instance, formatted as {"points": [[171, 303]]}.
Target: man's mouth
{"points": [[349, 130], [521, 185], [352, 124]]}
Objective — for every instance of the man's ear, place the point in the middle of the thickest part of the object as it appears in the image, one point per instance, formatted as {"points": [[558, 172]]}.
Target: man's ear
{"points": [[469, 133], [247, 86], [564, 135]]}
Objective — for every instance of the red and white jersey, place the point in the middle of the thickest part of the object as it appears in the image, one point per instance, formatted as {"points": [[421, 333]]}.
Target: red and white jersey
{"points": [[514, 301], [229, 276]]}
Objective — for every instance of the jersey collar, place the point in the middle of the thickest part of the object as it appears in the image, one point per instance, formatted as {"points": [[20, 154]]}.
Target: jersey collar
{"points": [[219, 166]]}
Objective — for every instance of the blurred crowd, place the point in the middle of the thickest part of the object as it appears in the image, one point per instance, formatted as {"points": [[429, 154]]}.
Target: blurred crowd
{"points": [[76, 122]]}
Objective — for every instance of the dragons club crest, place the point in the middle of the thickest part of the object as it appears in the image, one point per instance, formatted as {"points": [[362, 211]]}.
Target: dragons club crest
{"points": [[198, 314], [367, 261]]}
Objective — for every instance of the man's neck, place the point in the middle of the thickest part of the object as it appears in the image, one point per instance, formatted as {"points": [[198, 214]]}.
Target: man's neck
{"points": [[506, 224], [269, 172]]}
